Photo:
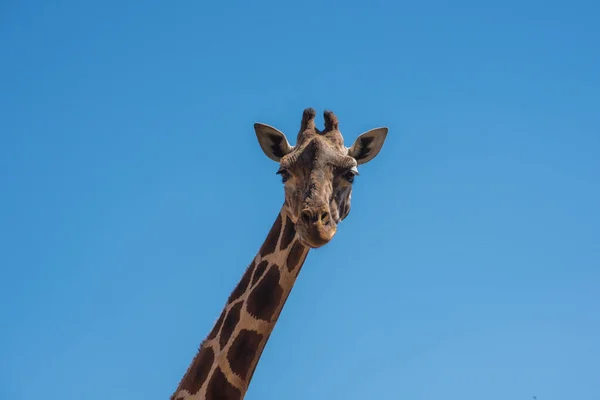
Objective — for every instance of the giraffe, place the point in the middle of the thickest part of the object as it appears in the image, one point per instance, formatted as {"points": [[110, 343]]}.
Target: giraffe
{"points": [[317, 175]]}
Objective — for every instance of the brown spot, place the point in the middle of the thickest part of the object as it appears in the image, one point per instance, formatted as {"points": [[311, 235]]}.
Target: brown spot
{"points": [[243, 351], [270, 243], [219, 388], [266, 296], [260, 270], [233, 317], [289, 232], [299, 266], [295, 256], [196, 375], [216, 328], [240, 289]]}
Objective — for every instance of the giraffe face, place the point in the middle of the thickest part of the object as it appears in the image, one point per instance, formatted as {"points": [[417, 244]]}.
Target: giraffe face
{"points": [[318, 184], [318, 173]]}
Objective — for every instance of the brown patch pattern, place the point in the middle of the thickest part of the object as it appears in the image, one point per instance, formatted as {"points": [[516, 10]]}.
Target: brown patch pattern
{"points": [[219, 388], [233, 316], [270, 243], [217, 326], [240, 289], [195, 377], [260, 270], [289, 232], [266, 296], [295, 256], [242, 352]]}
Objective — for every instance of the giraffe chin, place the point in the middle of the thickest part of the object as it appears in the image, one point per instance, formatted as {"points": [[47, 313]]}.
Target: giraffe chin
{"points": [[315, 237]]}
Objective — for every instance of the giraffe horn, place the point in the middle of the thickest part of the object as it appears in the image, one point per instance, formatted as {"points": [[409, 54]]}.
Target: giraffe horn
{"points": [[331, 121], [308, 120]]}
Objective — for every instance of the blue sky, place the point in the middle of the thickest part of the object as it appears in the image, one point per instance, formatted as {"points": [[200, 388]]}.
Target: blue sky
{"points": [[134, 194]]}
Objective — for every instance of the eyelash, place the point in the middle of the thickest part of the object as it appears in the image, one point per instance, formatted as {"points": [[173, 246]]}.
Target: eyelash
{"points": [[349, 176], [285, 175]]}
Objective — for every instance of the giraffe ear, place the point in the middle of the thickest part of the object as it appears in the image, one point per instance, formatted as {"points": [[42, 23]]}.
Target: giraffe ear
{"points": [[272, 142], [367, 145]]}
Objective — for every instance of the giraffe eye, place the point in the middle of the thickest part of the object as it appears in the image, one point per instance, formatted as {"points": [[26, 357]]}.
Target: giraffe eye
{"points": [[285, 175], [349, 175]]}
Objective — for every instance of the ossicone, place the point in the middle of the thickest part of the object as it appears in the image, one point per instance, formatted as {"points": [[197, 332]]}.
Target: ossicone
{"points": [[331, 121], [308, 119]]}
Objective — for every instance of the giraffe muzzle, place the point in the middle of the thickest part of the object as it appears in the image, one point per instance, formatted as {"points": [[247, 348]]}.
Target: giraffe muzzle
{"points": [[315, 226]]}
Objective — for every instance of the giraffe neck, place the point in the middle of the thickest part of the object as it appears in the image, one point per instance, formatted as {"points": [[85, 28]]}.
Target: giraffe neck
{"points": [[227, 358]]}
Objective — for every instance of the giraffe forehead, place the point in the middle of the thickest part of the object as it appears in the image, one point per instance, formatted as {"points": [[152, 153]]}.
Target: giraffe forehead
{"points": [[316, 153]]}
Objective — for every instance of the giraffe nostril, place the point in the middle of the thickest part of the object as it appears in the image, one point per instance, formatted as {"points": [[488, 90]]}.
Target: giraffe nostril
{"points": [[306, 217], [309, 217]]}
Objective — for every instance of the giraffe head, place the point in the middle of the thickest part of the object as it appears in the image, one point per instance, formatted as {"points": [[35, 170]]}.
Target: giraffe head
{"points": [[318, 172]]}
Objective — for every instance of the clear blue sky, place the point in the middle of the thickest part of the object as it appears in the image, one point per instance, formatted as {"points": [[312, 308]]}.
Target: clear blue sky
{"points": [[134, 194]]}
